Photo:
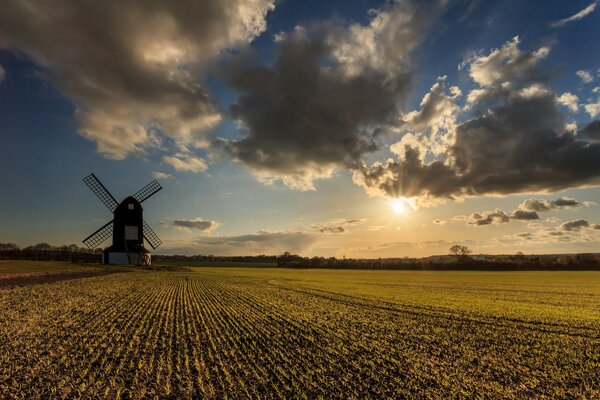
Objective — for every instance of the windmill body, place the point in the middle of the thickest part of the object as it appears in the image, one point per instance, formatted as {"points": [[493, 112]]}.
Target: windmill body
{"points": [[128, 238], [127, 228]]}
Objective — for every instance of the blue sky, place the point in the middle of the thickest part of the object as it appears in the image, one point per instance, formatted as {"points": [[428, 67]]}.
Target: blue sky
{"points": [[156, 89]]}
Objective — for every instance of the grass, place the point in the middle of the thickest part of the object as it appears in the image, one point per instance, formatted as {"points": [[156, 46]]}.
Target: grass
{"points": [[26, 266], [238, 264], [272, 333]]}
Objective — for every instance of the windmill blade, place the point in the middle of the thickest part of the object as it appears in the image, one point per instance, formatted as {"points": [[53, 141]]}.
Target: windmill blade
{"points": [[151, 237], [147, 191], [99, 236], [99, 190]]}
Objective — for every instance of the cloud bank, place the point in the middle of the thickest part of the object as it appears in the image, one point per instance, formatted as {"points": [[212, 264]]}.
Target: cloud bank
{"points": [[331, 93], [132, 67], [516, 141]]}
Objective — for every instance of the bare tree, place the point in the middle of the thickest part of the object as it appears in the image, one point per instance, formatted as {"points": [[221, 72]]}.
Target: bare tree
{"points": [[458, 250]]}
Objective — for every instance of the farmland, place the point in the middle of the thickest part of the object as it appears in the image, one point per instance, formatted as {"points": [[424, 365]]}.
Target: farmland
{"points": [[265, 332]]}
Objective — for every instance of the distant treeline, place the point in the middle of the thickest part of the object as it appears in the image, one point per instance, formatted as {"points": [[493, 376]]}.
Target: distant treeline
{"points": [[518, 262], [482, 262], [47, 252]]}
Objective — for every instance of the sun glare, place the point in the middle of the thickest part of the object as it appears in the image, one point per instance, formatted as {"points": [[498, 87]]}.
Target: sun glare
{"points": [[398, 206]]}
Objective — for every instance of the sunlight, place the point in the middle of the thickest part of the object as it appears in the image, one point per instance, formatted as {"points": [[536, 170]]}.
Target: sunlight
{"points": [[399, 206]]}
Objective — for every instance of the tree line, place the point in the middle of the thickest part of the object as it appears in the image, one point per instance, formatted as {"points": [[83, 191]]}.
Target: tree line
{"points": [[458, 258], [44, 251]]}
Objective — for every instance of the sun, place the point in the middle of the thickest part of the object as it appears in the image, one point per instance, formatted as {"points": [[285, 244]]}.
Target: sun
{"points": [[399, 206]]}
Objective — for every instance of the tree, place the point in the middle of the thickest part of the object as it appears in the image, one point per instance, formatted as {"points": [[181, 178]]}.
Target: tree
{"points": [[458, 250]]}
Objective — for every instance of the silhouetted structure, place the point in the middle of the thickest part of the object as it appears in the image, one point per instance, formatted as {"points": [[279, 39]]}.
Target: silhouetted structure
{"points": [[128, 228]]}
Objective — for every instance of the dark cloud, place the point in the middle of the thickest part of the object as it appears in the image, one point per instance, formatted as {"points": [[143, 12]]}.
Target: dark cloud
{"points": [[574, 225], [516, 142], [525, 235], [132, 66], [541, 205], [330, 93], [488, 217], [200, 224], [591, 131], [523, 215], [337, 225]]}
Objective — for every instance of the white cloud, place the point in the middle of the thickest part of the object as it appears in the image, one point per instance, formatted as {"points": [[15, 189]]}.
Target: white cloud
{"points": [[505, 64], [161, 175], [585, 76], [188, 163], [569, 100], [575, 17], [593, 108]]}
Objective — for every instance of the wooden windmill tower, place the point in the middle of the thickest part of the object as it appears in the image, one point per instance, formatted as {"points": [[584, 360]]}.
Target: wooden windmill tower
{"points": [[127, 228]]}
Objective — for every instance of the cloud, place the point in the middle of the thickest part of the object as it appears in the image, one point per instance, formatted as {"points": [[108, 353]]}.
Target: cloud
{"points": [[574, 225], [569, 100], [591, 131], [187, 163], [488, 217], [593, 108], [585, 76], [439, 222], [575, 17], [541, 205], [514, 142], [436, 105], [132, 68], [328, 97], [338, 225], [201, 224], [262, 242], [506, 64], [523, 215], [161, 175]]}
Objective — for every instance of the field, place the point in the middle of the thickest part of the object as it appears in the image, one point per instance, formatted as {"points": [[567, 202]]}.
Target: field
{"points": [[271, 333]]}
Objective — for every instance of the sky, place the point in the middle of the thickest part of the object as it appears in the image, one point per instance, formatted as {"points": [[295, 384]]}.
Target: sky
{"points": [[325, 128]]}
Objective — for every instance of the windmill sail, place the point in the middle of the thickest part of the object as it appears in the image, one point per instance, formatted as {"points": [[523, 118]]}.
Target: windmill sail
{"points": [[99, 190], [96, 238], [147, 191], [151, 237]]}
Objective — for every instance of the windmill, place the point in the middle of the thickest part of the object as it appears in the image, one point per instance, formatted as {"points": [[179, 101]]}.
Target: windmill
{"points": [[127, 228]]}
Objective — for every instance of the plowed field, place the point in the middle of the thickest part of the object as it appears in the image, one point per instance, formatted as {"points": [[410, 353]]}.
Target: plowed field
{"points": [[270, 333]]}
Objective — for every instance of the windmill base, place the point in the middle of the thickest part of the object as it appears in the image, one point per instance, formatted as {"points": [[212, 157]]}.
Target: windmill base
{"points": [[123, 258]]}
